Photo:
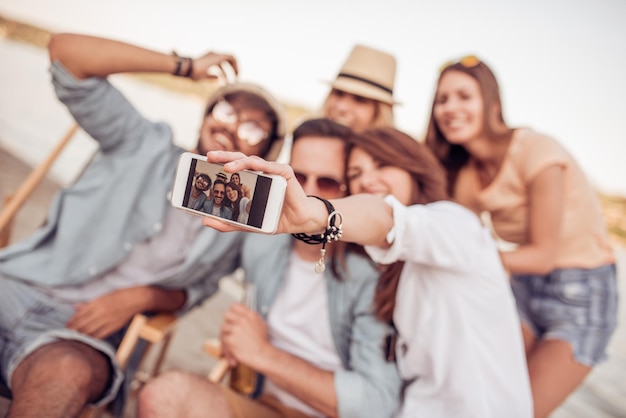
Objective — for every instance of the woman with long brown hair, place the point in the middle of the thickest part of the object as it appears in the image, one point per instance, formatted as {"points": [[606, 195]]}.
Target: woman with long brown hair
{"points": [[459, 347], [562, 266]]}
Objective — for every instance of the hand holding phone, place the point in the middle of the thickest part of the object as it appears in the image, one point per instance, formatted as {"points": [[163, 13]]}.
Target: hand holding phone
{"points": [[299, 212], [205, 189]]}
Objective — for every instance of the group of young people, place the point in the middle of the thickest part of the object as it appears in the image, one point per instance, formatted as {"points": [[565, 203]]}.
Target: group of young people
{"points": [[419, 313], [228, 199]]}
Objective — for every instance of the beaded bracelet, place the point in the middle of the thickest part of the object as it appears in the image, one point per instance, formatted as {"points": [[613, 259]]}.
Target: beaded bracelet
{"points": [[333, 232]]}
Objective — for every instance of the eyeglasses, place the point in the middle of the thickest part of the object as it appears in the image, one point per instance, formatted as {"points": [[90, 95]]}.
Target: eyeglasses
{"points": [[324, 184], [468, 61], [218, 193], [249, 132]]}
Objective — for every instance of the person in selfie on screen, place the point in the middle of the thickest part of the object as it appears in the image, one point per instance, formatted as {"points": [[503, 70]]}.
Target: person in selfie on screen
{"points": [[201, 183], [361, 95], [239, 204], [221, 176], [562, 266], [218, 205], [113, 245], [459, 348], [314, 337], [245, 189]]}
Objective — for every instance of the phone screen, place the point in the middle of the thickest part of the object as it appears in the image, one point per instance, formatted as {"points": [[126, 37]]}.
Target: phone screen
{"points": [[248, 208]]}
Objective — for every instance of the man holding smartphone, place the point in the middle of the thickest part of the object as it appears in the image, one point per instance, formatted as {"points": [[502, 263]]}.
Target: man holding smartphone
{"points": [[113, 246], [315, 338]]}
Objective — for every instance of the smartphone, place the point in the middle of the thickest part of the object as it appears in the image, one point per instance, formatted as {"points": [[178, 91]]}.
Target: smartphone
{"points": [[205, 189]]}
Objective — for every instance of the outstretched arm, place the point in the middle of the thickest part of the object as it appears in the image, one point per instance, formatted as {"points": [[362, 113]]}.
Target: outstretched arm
{"points": [[308, 215], [88, 56]]}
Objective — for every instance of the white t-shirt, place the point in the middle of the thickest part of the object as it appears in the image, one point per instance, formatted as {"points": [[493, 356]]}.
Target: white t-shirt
{"points": [[299, 324], [459, 333], [243, 212]]}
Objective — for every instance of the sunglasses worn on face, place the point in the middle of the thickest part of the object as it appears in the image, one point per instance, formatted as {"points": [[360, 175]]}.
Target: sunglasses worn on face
{"points": [[247, 131], [325, 184], [468, 61]]}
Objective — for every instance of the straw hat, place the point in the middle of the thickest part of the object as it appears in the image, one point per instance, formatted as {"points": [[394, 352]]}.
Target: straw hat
{"points": [[221, 176], [368, 73]]}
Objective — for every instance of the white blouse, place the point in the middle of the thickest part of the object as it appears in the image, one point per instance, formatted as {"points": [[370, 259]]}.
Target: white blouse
{"points": [[460, 339]]}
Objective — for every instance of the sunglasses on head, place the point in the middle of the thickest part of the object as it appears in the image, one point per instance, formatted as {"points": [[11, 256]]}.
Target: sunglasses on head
{"points": [[468, 61], [324, 184], [249, 132]]}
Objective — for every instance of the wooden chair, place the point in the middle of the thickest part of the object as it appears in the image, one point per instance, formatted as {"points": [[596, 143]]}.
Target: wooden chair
{"points": [[220, 370], [152, 331], [14, 202], [241, 379]]}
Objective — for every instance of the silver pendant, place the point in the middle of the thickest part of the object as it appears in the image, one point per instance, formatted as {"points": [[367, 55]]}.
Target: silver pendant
{"points": [[320, 266]]}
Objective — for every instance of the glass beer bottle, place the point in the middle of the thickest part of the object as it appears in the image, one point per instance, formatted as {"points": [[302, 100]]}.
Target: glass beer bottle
{"points": [[242, 378]]}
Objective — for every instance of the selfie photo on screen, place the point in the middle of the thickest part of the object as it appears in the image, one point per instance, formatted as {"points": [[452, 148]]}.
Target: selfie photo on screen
{"points": [[212, 191]]}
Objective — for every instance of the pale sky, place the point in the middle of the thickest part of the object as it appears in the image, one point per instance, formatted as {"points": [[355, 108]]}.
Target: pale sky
{"points": [[559, 62]]}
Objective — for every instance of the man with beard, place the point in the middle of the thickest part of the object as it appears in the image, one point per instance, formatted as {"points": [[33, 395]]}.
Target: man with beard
{"points": [[313, 339], [113, 246], [217, 206], [198, 196]]}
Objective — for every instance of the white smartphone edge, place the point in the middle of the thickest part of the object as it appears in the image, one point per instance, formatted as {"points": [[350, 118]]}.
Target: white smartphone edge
{"points": [[273, 208]]}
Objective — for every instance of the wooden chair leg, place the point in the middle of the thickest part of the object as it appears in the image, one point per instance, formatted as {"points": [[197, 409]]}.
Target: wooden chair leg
{"points": [[213, 347], [155, 330], [218, 372], [156, 368], [130, 339], [34, 178], [5, 233]]}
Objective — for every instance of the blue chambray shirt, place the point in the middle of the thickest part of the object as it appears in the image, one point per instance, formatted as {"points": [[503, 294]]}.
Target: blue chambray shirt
{"points": [[119, 201], [369, 387]]}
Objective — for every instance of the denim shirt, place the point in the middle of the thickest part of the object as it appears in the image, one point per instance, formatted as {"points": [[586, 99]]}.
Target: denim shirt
{"points": [[369, 386], [225, 211], [120, 200]]}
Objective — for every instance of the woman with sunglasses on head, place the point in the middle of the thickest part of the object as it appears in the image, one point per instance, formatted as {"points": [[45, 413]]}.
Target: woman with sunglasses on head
{"points": [[563, 268], [361, 95], [459, 348], [239, 204]]}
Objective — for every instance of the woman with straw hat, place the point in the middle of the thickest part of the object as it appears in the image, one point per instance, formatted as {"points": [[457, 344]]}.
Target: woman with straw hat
{"points": [[361, 95]]}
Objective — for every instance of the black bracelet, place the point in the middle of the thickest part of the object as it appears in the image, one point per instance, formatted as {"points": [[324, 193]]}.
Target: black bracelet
{"points": [[179, 65], [333, 232], [190, 68]]}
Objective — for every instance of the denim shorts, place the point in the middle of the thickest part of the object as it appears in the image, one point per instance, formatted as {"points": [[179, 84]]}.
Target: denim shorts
{"points": [[29, 319], [575, 305]]}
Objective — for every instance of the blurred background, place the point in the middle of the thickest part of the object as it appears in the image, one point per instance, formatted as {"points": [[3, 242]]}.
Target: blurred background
{"points": [[559, 63]]}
